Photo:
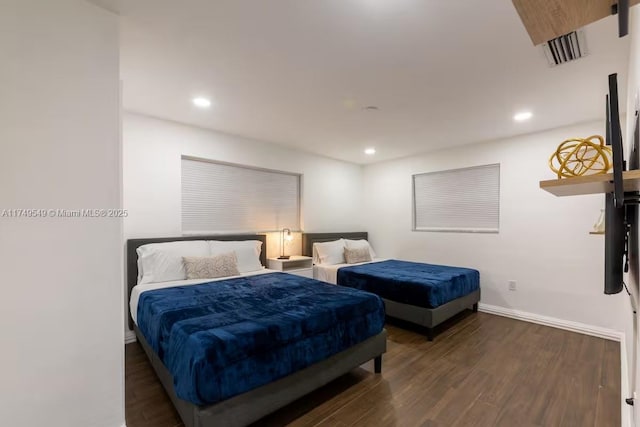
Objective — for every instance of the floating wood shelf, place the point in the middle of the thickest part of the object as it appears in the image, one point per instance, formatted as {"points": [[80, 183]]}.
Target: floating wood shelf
{"points": [[597, 232], [592, 184], [548, 19]]}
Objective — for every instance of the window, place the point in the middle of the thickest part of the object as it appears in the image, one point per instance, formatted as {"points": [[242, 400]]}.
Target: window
{"points": [[227, 198], [458, 200]]}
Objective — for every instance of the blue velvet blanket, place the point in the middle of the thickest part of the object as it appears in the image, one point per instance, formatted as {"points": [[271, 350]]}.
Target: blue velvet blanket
{"points": [[415, 283], [223, 338]]}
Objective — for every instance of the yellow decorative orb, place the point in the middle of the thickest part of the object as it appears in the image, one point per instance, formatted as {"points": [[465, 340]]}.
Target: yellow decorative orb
{"points": [[581, 156]]}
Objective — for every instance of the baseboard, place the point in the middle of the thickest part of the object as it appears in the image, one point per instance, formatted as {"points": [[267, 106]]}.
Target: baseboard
{"points": [[626, 410], [567, 325], [129, 337]]}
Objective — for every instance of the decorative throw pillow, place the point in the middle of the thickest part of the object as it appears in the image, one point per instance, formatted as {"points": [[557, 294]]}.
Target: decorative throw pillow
{"points": [[360, 243], [357, 255], [221, 265]]}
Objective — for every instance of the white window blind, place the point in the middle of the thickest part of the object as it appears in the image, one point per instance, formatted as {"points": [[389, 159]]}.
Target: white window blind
{"points": [[458, 200], [221, 197]]}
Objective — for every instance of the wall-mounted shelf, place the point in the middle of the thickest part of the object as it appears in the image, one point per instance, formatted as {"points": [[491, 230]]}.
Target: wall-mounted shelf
{"points": [[591, 184], [597, 232], [548, 19]]}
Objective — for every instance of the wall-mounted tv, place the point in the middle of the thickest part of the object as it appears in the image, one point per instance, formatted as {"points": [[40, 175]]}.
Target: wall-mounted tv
{"points": [[616, 227]]}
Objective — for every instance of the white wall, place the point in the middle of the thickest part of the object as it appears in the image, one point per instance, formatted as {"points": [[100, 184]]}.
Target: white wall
{"points": [[633, 87], [331, 190], [543, 242], [61, 322]]}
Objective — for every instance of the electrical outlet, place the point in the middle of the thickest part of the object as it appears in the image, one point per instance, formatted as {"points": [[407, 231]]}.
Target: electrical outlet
{"points": [[512, 285]]}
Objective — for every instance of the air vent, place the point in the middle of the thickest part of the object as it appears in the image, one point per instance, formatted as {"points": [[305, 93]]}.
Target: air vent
{"points": [[565, 48]]}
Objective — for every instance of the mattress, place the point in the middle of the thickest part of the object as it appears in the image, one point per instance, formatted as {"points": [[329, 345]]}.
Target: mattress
{"points": [[139, 289], [223, 338], [414, 283], [329, 272]]}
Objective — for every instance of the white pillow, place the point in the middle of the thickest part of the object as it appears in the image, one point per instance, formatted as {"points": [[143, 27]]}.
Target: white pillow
{"points": [[359, 244], [140, 274], [162, 262], [330, 252], [247, 251]]}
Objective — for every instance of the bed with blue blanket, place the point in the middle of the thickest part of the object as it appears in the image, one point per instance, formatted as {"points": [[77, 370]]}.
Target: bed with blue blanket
{"points": [[231, 351], [415, 283], [420, 293]]}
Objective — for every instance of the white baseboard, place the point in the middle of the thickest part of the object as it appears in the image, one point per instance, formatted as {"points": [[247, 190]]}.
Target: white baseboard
{"points": [[129, 337], [626, 410], [567, 325]]}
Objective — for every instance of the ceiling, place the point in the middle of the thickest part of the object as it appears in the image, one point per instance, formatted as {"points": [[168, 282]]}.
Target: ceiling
{"points": [[299, 73]]}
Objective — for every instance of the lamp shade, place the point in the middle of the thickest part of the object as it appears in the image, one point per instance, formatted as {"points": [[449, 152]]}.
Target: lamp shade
{"points": [[285, 235]]}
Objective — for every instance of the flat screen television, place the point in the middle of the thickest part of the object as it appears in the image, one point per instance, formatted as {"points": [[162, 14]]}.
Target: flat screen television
{"points": [[615, 211]]}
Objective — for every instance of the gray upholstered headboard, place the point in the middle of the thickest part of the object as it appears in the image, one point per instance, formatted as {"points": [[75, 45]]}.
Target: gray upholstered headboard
{"points": [[308, 239], [133, 244]]}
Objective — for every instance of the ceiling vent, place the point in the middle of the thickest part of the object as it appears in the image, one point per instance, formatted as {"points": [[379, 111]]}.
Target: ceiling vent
{"points": [[565, 48]]}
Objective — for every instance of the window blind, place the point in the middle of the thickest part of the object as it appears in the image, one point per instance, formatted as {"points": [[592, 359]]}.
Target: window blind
{"points": [[221, 197], [458, 200]]}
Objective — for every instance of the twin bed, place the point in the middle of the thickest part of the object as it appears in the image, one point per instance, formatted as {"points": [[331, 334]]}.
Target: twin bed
{"points": [[231, 350]]}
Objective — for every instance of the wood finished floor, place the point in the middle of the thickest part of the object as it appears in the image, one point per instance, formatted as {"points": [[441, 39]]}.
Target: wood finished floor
{"points": [[481, 370]]}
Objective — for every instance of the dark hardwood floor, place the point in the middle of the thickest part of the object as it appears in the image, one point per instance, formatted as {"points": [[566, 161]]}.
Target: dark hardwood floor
{"points": [[481, 370]]}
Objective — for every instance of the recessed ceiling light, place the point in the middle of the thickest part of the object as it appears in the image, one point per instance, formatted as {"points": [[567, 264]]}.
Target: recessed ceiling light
{"points": [[370, 151], [201, 102], [522, 116]]}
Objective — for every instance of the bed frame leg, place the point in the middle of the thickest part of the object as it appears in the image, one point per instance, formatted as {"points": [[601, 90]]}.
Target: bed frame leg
{"points": [[430, 334], [475, 307], [377, 364]]}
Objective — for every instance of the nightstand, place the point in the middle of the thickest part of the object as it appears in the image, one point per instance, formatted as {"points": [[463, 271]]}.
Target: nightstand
{"points": [[298, 265]]}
